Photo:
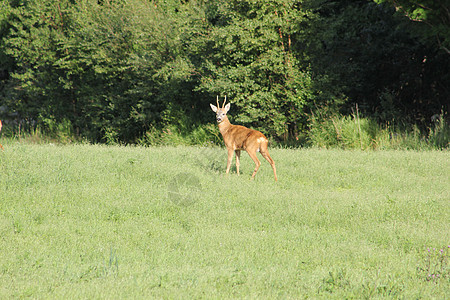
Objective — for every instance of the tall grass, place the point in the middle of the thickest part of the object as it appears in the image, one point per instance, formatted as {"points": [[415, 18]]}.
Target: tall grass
{"points": [[51, 132], [356, 132], [325, 131], [108, 222], [173, 136]]}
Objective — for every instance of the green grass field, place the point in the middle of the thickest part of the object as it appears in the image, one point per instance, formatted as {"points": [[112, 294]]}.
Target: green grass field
{"points": [[108, 222]]}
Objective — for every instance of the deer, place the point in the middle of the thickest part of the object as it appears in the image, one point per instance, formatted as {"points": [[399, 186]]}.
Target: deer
{"points": [[237, 138], [1, 146]]}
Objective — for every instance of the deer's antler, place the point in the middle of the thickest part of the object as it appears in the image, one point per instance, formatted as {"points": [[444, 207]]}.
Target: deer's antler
{"points": [[223, 105]]}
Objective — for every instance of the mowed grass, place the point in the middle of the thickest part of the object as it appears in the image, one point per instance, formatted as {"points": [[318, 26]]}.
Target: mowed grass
{"points": [[108, 222]]}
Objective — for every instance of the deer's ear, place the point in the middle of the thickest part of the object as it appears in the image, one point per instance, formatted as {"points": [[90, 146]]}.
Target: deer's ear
{"points": [[227, 107], [213, 107]]}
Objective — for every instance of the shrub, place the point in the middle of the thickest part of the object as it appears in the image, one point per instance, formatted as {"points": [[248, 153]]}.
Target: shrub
{"points": [[348, 132]]}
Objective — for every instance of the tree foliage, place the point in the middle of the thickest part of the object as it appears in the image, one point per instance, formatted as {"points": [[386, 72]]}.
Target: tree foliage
{"points": [[369, 54], [252, 59], [432, 18], [114, 70]]}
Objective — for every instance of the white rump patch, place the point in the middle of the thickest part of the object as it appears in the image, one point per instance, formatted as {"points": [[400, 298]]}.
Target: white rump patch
{"points": [[261, 139]]}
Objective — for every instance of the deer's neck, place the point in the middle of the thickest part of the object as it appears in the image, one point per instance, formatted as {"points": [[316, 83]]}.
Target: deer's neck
{"points": [[224, 126]]}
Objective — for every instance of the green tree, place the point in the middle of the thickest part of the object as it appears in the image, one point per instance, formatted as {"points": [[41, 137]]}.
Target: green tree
{"points": [[130, 55], [251, 56], [367, 54], [6, 63], [432, 18], [111, 69]]}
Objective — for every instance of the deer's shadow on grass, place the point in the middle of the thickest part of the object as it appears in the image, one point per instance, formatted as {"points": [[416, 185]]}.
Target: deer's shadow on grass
{"points": [[210, 159], [214, 160], [213, 166]]}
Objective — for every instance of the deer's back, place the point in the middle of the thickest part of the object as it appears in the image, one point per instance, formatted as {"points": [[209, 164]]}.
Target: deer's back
{"points": [[241, 137]]}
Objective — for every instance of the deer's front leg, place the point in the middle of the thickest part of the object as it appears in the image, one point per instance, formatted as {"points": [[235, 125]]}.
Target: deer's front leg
{"points": [[230, 157]]}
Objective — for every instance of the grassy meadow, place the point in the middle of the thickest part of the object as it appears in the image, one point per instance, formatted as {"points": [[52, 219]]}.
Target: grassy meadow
{"points": [[108, 222]]}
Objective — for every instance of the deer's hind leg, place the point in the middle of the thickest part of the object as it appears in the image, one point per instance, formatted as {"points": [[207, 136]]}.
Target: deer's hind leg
{"points": [[256, 160], [266, 155]]}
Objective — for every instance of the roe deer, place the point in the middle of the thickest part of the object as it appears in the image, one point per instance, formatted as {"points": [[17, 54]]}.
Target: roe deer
{"points": [[239, 138]]}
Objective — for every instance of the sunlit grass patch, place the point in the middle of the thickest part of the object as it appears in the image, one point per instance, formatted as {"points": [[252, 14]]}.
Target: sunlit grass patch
{"points": [[91, 221]]}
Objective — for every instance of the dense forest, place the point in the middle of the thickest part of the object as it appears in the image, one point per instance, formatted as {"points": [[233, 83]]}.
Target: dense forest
{"points": [[130, 70]]}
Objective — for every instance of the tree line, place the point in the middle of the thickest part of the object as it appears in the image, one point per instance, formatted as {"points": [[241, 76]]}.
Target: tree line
{"points": [[122, 69]]}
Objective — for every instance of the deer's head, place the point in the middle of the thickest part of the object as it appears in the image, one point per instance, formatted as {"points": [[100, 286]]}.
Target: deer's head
{"points": [[221, 112]]}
